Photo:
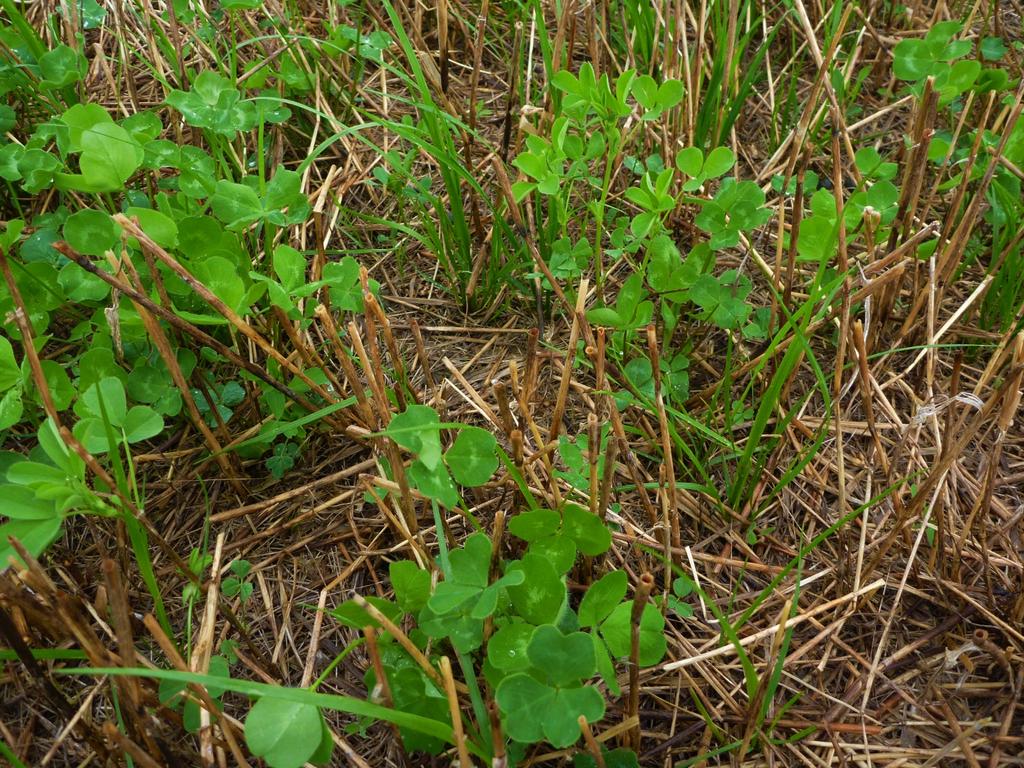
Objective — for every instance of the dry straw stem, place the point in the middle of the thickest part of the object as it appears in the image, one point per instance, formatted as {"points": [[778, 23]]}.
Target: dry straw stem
{"points": [[667, 476], [181, 324], [455, 712], [88, 459], [497, 737], [120, 615], [570, 357], [641, 596], [382, 690], [203, 647], [729, 650], [223, 309], [610, 734], [39, 679], [592, 746], [138, 754], [389, 626], [171, 652], [159, 338]]}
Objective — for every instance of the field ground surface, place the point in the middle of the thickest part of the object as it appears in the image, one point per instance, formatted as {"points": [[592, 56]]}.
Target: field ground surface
{"points": [[510, 383]]}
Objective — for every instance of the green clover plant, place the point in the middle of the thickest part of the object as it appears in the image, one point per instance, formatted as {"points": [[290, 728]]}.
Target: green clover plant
{"points": [[41, 492], [546, 702], [509, 619]]}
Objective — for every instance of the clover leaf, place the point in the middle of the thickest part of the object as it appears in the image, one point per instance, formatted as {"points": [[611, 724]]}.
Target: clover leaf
{"points": [[557, 536], [588, 94], [37, 170], [613, 758], [541, 595], [992, 48], [935, 55], [548, 703], [632, 309], [239, 206], [342, 281], [411, 584], [586, 529], [57, 451], [282, 459], [161, 228], [108, 154], [104, 405], [417, 430], [668, 273], [91, 232], [654, 197], [464, 632], [568, 260], [691, 161], [602, 597], [681, 587], [472, 458], [351, 614], [412, 691], [870, 163], [950, 82], [507, 648], [654, 98], [757, 328], [236, 584], [542, 528], [535, 524], [109, 157], [543, 162], [196, 168], [143, 126], [737, 207], [818, 237], [222, 277], [575, 454], [38, 495], [11, 408], [917, 58], [471, 563], [608, 618], [75, 121], [34, 535], [461, 602], [214, 103], [10, 371], [723, 299], [60, 67], [289, 266], [434, 483], [617, 633], [286, 734], [561, 659]]}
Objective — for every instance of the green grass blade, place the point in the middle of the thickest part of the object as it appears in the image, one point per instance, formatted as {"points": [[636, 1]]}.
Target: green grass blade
{"points": [[330, 701]]}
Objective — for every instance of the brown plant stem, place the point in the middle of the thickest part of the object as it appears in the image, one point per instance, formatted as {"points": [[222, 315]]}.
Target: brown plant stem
{"points": [[640, 597], [456, 713]]}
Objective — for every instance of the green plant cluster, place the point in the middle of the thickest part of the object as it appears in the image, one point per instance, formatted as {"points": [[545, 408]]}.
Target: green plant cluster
{"points": [[209, 226], [569, 169], [509, 621], [516, 627], [212, 204]]}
